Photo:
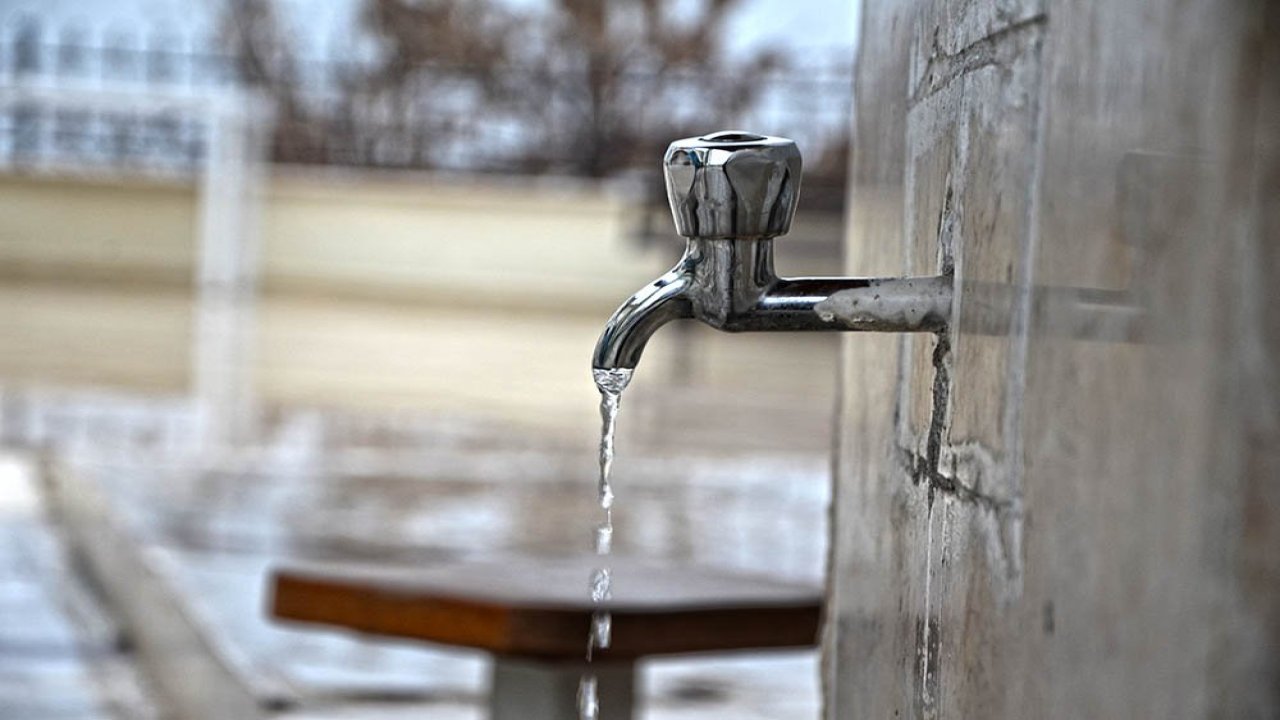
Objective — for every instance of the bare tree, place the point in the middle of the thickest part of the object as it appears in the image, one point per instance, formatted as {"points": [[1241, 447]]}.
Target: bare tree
{"points": [[591, 85], [628, 76], [584, 86], [263, 58]]}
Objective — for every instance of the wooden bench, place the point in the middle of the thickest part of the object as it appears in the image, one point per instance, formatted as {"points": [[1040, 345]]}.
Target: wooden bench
{"points": [[533, 615]]}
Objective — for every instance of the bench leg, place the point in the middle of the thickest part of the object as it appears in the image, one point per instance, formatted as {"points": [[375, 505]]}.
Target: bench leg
{"points": [[533, 690]]}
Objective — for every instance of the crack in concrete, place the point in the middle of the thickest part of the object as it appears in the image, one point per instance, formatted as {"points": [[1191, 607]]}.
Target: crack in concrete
{"points": [[923, 471], [938, 422], [1001, 516], [930, 469], [998, 49]]}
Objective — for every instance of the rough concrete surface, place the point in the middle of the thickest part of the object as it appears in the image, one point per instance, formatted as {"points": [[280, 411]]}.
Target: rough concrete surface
{"points": [[1036, 516]]}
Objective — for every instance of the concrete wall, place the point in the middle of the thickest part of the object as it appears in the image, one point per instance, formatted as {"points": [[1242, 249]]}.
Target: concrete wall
{"points": [[1067, 506], [457, 240], [379, 290], [369, 235], [69, 229]]}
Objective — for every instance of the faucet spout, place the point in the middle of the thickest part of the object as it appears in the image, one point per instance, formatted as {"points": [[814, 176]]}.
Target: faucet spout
{"points": [[640, 316]]}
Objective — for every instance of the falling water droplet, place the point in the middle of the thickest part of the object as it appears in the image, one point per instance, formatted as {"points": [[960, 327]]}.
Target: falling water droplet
{"points": [[601, 585], [601, 629], [604, 538], [588, 703]]}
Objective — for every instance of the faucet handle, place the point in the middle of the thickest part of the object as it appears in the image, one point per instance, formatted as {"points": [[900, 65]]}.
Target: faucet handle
{"points": [[732, 184]]}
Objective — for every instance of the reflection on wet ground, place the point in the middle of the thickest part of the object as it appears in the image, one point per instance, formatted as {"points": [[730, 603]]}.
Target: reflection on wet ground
{"points": [[769, 512]]}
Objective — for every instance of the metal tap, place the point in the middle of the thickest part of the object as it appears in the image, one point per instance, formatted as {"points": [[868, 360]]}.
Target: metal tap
{"points": [[731, 194]]}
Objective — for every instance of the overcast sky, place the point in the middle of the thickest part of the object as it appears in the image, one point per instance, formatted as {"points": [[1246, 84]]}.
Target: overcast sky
{"points": [[804, 25]]}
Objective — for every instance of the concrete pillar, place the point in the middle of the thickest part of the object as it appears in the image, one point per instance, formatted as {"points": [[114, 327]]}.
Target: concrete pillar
{"points": [[227, 273], [537, 690], [1034, 517]]}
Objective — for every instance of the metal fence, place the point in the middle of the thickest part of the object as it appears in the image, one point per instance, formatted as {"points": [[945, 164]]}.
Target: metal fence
{"points": [[433, 122]]}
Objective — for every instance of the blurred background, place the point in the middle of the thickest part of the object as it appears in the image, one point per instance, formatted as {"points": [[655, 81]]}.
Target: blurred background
{"points": [[288, 279]]}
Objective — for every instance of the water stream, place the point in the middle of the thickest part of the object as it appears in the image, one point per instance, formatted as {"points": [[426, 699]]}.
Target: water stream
{"points": [[610, 383]]}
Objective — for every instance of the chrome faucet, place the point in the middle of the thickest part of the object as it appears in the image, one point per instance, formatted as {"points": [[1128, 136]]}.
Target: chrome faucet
{"points": [[731, 194]]}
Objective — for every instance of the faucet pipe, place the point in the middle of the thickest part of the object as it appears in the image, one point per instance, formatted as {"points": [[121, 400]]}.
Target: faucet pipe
{"points": [[731, 285]]}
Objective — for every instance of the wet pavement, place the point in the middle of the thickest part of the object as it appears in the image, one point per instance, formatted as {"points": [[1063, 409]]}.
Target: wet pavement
{"points": [[60, 657]]}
